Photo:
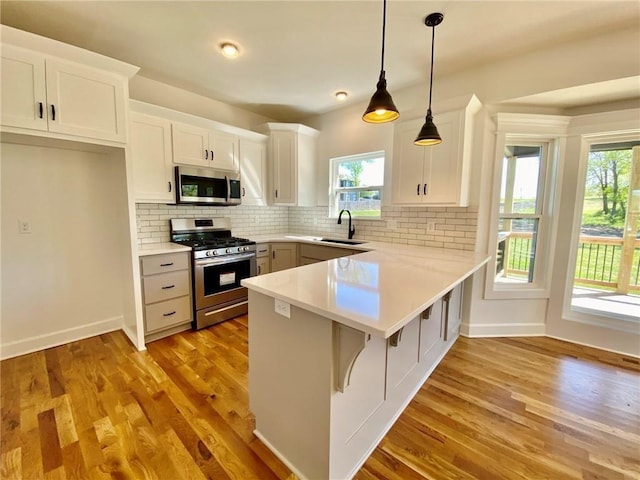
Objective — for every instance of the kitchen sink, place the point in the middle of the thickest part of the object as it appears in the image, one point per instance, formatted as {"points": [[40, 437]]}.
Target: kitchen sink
{"points": [[344, 242]]}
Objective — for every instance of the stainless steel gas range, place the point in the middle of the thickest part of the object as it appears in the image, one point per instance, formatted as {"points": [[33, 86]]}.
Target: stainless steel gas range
{"points": [[219, 263]]}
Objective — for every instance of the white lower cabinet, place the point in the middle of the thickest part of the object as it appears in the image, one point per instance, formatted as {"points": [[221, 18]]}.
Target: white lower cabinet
{"points": [[402, 354], [166, 287], [263, 258], [283, 256], [356, 384]]}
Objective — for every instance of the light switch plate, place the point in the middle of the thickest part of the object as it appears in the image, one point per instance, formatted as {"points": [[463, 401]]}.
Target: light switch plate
{"points": [[283, 308]]}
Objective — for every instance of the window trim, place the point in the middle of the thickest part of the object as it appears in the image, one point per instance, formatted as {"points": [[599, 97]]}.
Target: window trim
{"points": [[334, 190], [549, 132]]}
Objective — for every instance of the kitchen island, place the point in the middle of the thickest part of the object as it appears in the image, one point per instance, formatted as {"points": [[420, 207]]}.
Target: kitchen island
{"points": [[337, 350]]}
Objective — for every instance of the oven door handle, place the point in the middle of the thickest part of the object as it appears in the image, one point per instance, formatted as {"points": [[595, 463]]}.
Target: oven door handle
{"points": [[225, 259]]}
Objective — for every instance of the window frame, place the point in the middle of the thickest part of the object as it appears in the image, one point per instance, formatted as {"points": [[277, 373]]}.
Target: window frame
{"points": [[335, 190], [548, 132]]}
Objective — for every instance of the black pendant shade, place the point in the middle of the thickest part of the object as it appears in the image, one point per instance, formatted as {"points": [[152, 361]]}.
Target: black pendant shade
{"points": [[428, 134], [381, 108]]}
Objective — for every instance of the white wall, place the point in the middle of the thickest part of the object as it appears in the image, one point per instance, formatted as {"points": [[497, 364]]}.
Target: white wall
{"points": [[156, 93], [67, 279]]}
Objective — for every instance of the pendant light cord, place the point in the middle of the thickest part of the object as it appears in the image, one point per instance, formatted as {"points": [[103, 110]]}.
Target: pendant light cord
{"points": [[384, 25], [433, 36]]}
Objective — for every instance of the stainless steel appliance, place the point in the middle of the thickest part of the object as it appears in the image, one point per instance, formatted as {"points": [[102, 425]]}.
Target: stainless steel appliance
{"points": [[206, 186], [219, 263]]}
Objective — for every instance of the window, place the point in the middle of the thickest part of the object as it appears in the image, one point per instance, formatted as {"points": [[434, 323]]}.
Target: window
{"points": [[520, 212], [523, 219], [356, 184]]}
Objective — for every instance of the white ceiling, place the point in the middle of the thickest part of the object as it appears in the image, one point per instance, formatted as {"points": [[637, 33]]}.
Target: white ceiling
{"points": [[295, 54]]}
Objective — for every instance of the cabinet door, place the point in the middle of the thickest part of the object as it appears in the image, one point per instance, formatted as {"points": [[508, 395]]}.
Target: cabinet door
{"points": [[263, 265], [224, 148], [453, 317], [430, 330], [445, 167], [402, 354], [190, 145], [408, 165], [152, 161], [23, 89], [283, 145], [253, 167], [85, 102], [283, 256]]}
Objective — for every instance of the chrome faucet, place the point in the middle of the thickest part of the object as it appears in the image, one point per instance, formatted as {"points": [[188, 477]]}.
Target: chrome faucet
{"points": [[352, 230]]}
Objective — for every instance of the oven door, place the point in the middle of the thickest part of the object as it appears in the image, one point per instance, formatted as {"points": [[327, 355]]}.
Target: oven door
{"points": [[217, 279]]}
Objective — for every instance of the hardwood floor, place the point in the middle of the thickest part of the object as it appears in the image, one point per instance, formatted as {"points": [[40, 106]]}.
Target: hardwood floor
{"points": [[519, 408]]}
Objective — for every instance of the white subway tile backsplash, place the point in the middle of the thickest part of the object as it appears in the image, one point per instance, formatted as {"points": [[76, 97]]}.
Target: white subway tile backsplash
{"points": [[455, 227]]}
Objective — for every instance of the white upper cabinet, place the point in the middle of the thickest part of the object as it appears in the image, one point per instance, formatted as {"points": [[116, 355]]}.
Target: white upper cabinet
{"points": [[253, 170], [202, 147], [151, 158], [292, 162], [24, 96], [48, 94], [437, 175]]}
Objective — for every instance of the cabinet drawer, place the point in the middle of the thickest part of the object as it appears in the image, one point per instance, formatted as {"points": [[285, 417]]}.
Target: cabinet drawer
{"points": [[165, 286], [167, 314], [263, 250], [153, 264]]}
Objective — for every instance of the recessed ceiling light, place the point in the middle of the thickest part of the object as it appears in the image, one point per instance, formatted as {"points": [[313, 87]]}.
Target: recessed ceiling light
{"points": [[229, 50], [341, 96]]}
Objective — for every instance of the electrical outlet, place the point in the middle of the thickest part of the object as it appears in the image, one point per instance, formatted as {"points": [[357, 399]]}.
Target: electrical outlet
{"points": [[431, 226], [283, 308], [24, 226]]}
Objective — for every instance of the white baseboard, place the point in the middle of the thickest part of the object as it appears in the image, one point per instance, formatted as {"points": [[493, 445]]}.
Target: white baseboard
{"points": [[48, 340], [503, 330], [591, 345]]}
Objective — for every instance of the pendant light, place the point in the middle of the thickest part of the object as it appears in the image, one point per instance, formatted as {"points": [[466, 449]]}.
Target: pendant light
{"points": [[429, 133], [381, 108]]}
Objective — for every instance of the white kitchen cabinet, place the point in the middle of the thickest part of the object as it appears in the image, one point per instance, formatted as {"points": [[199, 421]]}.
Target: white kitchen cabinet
{"points": [[166, 287], [49, 94], [283, 256], [202, 147], [152, 160], [402, 354], [437, 175], [253, 171], [263, 258], [292, 162]]}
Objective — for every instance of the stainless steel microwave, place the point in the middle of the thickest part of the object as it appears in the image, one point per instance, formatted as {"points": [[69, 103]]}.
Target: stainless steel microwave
{"points": [[207, 186]]}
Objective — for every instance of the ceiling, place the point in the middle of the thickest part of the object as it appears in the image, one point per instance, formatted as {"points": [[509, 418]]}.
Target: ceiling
{"points": [[296, 54]]}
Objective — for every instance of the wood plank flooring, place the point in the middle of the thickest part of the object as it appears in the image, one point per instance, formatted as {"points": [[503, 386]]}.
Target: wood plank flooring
{"points": [[533, 408]]}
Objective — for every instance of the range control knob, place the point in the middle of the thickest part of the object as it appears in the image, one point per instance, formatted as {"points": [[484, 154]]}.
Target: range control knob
{"points": [[229, 250]]}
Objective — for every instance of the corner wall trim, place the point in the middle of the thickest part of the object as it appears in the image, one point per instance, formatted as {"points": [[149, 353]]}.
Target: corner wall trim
{"points": [[54, 339], [503, 330]]}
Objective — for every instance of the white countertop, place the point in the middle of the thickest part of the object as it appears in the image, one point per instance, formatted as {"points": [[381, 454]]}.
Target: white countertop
{"points": [[160, 248], [378, 291]]}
